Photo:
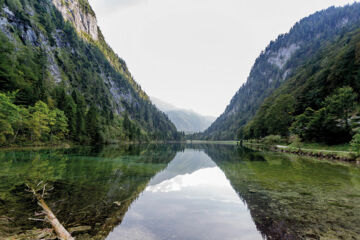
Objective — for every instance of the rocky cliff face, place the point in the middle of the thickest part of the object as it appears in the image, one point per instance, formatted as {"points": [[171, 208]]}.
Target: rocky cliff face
{"points": [[84, 22], [82, 16]]}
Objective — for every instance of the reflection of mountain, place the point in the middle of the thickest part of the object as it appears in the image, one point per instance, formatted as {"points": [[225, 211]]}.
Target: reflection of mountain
{"points": [[293, 198], [185, 162], [86, 183]]}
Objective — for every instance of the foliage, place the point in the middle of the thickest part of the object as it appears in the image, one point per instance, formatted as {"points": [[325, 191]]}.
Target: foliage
{"points": [[342, 103], [355, 143], [35, 123], [295, 141], [272, 139]]}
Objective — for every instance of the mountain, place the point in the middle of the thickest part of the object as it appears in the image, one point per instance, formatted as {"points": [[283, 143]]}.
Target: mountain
{"points": [[320, 103], [279, 62], [186, 121], [54, 59]]}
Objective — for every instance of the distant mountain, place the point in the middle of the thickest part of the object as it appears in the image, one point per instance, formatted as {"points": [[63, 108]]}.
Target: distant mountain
{"points": [[185, 120], [279, 62]]}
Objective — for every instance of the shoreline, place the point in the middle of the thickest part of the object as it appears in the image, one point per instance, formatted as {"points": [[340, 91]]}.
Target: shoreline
{"points": [[343, 156], [72, 145]]}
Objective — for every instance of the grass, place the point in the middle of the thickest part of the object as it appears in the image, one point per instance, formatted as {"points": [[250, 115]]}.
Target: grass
{"points": [[322, 146], [341, 151]]}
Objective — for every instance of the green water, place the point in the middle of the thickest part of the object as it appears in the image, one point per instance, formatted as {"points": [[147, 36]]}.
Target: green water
{"points": [[181, 192]]}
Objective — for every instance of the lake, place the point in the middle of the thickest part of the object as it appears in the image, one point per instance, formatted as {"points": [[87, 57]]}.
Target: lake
{"points": [[179, 191]]}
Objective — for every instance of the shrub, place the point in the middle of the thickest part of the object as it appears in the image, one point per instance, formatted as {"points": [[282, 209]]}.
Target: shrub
{"points": [[295, 141], [355, 143], [272, 139]]}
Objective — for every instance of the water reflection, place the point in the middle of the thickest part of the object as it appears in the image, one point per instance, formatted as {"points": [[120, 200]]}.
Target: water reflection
{"points": [[167, 192], [190, 199], [87, 182], [292, 197]]}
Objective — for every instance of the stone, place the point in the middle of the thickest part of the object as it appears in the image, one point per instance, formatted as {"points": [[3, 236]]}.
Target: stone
{"points": [[83, 22]]}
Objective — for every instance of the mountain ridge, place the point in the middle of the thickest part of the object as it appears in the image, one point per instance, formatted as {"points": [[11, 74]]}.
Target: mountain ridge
{"points": [[278, 62]]}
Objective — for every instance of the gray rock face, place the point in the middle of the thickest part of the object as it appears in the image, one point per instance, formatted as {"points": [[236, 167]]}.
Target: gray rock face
{"points": [[83, 22], [4, 22], [283, 55]]}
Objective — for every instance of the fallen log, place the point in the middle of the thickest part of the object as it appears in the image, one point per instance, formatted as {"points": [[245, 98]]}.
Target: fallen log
{"points": [[59, 229]]}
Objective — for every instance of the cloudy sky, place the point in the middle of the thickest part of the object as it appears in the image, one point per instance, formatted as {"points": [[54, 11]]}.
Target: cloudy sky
{"points": [[195, 54]]}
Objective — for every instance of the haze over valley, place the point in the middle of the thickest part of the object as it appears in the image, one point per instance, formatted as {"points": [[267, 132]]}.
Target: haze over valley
{"points": [[185, 120]]}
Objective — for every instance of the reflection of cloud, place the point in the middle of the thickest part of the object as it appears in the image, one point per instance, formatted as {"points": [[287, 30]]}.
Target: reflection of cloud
{"points": [[133, 233], [185, 162], [207, 176]]}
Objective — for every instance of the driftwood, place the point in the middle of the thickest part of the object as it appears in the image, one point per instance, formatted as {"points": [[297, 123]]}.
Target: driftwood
{"points": [[59, 229]]}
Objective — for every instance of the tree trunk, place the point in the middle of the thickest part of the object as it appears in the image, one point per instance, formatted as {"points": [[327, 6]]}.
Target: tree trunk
{"points": [[61, 232]]}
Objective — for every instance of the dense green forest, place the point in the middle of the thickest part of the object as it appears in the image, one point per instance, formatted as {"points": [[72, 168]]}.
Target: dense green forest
{"points": [[320, 102], [278, 63], [57, 83]]}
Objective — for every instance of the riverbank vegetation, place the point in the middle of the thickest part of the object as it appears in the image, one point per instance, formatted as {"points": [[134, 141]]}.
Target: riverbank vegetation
{"points": [[344, 152]]}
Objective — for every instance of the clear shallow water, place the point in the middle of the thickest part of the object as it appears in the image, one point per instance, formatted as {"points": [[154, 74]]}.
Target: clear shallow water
{"points": [[182, 192]]}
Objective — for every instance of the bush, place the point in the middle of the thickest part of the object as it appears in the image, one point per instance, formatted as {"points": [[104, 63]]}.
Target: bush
{"points": [[355, 143], [272, 139], [295, 141]]}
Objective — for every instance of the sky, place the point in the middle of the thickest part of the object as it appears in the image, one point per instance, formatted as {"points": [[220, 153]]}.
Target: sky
{"points": [[195, 54]]}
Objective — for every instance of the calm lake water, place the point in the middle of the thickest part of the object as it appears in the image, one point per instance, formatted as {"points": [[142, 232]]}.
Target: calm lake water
{"points": [[181, 192]]}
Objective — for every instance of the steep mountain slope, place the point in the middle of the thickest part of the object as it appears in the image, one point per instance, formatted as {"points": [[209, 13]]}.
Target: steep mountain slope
{"points": [[322, 97], [186, 121], [53, 51], [279, 61]]}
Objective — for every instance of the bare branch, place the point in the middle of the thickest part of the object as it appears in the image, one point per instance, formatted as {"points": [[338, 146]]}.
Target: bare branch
{"points": [[37, 219]]}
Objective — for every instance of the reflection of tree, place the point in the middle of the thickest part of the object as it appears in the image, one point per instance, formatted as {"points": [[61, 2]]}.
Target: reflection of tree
{"points": [[92, 187], [290, 197]]}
